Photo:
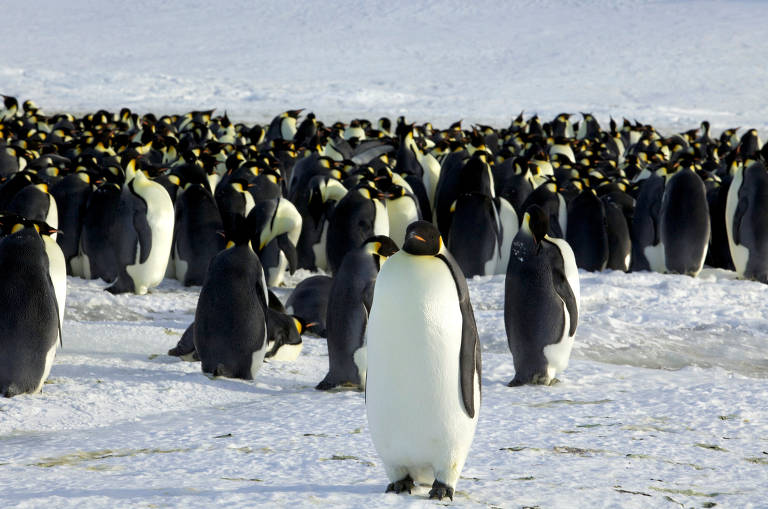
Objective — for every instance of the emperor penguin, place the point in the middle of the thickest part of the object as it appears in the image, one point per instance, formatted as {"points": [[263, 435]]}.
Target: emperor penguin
{"points": [[402, 210], [587, 233], [423, 381], [746, 222], [647, 247], [144, 245], [349, 301], [230, 327], [196, 234], [360, 214], [541, 301], [36, 203], [684, 222], [309, 303], [283, 336], [30, 325], [72, 193]]}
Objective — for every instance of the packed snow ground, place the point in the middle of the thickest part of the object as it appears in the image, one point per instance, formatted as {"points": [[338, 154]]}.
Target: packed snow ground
{"points": [[665, 402]]}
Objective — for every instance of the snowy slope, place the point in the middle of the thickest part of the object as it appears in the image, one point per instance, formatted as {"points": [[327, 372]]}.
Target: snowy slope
{"points": [[665, 402]]}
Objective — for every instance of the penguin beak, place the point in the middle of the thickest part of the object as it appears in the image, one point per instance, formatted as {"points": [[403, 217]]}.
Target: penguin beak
{"points": [[418, 237]]}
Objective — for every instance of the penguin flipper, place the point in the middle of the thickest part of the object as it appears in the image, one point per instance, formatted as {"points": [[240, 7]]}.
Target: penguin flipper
{"points": [[469, 353], [186, 344], [562, 287], [738, 217], [144, 234]]}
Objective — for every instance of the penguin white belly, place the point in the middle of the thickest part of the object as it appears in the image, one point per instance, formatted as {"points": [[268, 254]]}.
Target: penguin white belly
{"points": [[257, 357], [286, 352], [413, 398], [509, 227], [656, 257], [381, 221], [401, 212], [52, 217], [739, 253], [160, 217], [277, 273], [558, 354], [57, 269], [180, 266], [321, 261], [47, 368]]}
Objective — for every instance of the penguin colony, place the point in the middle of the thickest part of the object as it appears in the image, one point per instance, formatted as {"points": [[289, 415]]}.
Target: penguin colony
{"points": [[133, 199]]}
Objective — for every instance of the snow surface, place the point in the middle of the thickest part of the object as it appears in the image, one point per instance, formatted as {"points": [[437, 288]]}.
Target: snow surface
{"points": [[672, 63], [665, 402]]}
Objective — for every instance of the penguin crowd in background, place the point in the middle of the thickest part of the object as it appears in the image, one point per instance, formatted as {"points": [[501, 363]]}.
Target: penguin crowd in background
{"points": [[394, 215]]}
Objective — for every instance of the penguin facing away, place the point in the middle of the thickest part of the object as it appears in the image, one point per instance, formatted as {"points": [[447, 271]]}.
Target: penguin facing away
{"points": [[423, 381], [587, 233], [28, 341], [230, 329], [349, 302], [684, 221], [541, 302], [196, 234]]}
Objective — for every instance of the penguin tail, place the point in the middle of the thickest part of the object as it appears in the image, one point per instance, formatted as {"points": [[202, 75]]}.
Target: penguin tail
{"points": [[9, 390]]}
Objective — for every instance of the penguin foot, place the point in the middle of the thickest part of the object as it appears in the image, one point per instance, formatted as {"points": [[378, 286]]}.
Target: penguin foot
{"points": [[516, 382], [404, 484], [337, 387], [440, 490], [554, 381], [325, 386]]}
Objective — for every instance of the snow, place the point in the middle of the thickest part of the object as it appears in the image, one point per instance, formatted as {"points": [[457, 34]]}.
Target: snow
{"points": [[665, 401]]}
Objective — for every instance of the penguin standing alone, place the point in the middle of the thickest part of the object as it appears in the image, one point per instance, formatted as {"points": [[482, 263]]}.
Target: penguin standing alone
{"points": [[541, 301], [423, 382]]}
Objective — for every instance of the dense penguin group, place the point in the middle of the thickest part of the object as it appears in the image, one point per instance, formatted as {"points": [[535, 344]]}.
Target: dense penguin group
{"points": [[132, 199]]}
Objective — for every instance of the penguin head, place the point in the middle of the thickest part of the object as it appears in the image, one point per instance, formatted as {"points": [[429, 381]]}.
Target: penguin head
{"points": [[536, 222], [381, 245], [422, 239]]}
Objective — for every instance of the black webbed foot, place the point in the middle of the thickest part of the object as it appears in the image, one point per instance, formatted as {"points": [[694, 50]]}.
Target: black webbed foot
{"points": [[440, 490], [404, 484]]}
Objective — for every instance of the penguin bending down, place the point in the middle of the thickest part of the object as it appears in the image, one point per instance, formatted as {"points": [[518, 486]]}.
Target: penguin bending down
{"points": [[230, 328], [309, 303], [423, 381], [541, 301], [283, 336], [349, 301], [29, 323]]}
